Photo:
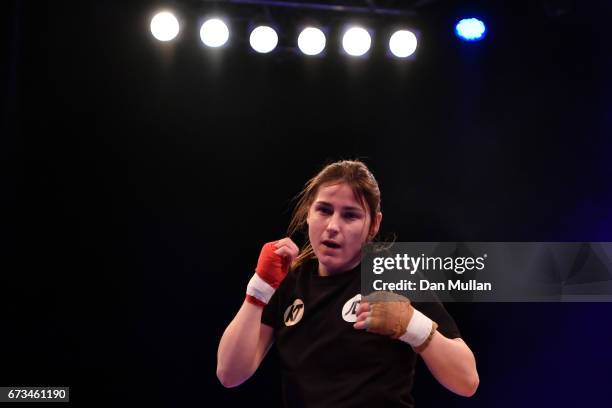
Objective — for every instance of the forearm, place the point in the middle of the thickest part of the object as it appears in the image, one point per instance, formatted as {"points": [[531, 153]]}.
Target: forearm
{"points": [[237, 354], [452, 363], [246, 340]]}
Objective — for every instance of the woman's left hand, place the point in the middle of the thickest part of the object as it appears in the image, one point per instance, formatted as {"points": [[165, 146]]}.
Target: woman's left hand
{"points": [[363, 312]]}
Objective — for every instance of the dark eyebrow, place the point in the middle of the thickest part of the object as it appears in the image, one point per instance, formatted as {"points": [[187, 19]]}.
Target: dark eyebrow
{"points": [[348, 208]]}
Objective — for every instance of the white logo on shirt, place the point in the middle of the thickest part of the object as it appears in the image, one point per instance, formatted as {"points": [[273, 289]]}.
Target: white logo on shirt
{"points": [[350, 308], [294, 312]]}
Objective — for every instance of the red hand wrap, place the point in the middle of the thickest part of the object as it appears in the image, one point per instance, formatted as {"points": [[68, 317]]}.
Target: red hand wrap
{"points": [[272, 268], [254, 300]]}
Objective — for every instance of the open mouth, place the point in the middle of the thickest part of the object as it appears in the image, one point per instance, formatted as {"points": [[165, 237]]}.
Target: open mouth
{"points": [[331, 244]]}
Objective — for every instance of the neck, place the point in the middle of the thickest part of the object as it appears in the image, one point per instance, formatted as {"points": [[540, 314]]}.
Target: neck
{"points": [[324, 271]]}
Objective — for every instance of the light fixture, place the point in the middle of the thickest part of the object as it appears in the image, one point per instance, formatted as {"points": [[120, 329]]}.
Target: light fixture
{"points": [[263, 39], [214, 33], [164, 26], [356, 41], [403, 43], [470, 29], [311, 41]]}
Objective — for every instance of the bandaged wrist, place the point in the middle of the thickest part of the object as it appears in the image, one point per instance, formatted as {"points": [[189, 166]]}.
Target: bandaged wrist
{"points": [[424, 345], [419, 330], [259, 289]]}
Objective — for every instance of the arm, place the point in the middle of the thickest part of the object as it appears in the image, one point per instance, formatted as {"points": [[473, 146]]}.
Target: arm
{"points": [[243, 346], [452, 363], [246, 340]]}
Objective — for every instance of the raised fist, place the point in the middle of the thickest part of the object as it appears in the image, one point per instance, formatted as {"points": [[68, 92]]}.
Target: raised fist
{"points": [[392, 315], [272, 266]]}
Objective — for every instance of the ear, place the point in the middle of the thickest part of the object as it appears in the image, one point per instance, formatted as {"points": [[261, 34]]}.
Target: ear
{"points": [[375, 225]]}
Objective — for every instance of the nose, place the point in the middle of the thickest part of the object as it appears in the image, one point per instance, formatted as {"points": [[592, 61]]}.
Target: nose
{"points": [[333, 225]]}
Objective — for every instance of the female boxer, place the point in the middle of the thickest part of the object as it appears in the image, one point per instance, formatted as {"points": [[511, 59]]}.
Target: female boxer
{"points": [[335, 349]]}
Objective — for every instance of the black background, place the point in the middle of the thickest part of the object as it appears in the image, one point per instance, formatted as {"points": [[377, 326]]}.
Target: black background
{"points": [[140, 179]]}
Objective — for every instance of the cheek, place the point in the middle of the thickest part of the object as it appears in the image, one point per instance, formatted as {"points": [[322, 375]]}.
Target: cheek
{"points": [[313, 229], [358, 234]]}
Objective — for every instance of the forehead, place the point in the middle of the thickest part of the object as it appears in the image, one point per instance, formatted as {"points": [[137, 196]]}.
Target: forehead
{"points": [[339, 194]]}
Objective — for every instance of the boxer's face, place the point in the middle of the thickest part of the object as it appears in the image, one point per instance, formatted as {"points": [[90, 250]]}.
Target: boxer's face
{"points": [[338, 224]]}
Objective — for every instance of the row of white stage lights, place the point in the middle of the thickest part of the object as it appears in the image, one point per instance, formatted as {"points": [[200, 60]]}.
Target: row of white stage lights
{"points": [[356, 41]]}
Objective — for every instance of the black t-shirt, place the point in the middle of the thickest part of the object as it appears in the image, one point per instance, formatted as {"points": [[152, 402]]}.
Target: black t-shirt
{"points": [[325, 362]]}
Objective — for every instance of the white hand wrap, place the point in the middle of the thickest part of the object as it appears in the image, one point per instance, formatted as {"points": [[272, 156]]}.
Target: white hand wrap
{"points": [[258, 288], [418, 330]]}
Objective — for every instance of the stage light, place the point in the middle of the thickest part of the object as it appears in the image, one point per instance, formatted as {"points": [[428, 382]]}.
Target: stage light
{"points": [[311, 41], [164, 26], [263, 39], [470, 29], [403, 43], [356, 41], [214, 33]]}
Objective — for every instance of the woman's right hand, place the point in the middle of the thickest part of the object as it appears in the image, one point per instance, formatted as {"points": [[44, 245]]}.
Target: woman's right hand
{"points": [[272, 267]]}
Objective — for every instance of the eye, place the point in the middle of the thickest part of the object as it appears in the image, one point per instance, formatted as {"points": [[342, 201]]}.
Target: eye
{"points": [[351, 216], [324, 210]]}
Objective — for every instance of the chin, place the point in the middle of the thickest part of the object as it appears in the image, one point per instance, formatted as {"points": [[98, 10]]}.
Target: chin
{"points": [[335, 262], [328, 261]]}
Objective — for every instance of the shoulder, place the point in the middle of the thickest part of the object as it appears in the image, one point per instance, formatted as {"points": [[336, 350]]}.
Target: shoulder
{"points": [[305, 269]]}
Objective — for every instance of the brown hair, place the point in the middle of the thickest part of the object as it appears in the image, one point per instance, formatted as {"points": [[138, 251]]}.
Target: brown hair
{"points": [[352, 172]]}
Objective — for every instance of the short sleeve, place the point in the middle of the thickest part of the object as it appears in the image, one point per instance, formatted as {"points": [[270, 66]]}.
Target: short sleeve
{"points": [[437, 312]]}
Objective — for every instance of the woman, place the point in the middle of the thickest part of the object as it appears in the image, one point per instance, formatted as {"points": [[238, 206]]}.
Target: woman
{"points": [[335, 349]]}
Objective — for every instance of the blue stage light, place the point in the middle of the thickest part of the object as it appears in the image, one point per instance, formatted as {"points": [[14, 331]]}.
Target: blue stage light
{"points": [[470, 29]]}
